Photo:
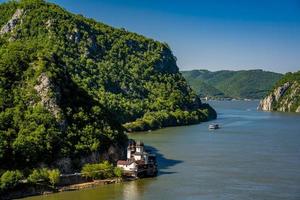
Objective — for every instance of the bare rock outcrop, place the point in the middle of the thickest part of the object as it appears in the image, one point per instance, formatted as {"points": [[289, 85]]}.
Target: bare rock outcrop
{"points": [[49, 95], [113, 153], [282, 98], [75, 36], [266, 103], [64, 165], [12, 23]]}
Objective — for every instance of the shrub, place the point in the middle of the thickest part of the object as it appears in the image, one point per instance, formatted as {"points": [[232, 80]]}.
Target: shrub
{"points": [[54, 175], [108, 169], [91, 171], [44, 175], [10, 179], [118, 172], [39, 175], [98, 171]]}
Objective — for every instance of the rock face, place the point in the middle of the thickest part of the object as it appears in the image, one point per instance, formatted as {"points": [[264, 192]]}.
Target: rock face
{"points": [[75, 36], [113, 153], [48, 94], [266, 103], [12, 23], [284, 98]]}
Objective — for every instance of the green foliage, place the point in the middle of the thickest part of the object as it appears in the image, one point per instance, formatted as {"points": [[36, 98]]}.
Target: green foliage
{"points": [[288, 77], [39, 175], [54, 176], [252, 84], [118, 172], [6, 11], [10, 179], [44, 175], [98, 171]]}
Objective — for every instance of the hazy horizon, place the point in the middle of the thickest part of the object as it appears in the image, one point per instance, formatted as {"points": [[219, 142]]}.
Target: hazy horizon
{"points": [[236, 68], [250, 69]]}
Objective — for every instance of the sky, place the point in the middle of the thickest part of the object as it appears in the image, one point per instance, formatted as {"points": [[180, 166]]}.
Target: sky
{"points": [[209, 34]]}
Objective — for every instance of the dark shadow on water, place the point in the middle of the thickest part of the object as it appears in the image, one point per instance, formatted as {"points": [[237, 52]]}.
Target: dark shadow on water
{"points": [[160, 173], [162, 162]]}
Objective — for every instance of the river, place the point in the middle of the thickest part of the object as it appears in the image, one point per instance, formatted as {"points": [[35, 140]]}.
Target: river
{"points": [[255, 155]]}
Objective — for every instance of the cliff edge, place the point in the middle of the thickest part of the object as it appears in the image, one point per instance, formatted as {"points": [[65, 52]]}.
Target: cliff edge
{"points": [[285, 96]]}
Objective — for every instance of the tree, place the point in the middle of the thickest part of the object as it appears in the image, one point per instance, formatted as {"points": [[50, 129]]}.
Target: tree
{"points": [[10, 179]]}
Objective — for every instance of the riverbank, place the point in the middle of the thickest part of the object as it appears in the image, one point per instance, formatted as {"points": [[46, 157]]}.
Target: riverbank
{"points": [[205, 99], [92, 184], [28, 190]]}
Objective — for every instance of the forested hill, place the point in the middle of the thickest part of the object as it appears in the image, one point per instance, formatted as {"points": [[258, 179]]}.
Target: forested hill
{"points": [[285, 95], [249, 84], [71, 86]]}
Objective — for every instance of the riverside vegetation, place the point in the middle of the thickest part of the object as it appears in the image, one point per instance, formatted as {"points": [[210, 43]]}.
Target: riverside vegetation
{"points": [[70, 87], [244, 84], [48, 179]]}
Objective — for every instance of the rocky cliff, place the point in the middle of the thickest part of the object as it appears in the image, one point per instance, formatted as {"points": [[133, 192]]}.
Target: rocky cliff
{"points": [[285, 96], [11, 24]]}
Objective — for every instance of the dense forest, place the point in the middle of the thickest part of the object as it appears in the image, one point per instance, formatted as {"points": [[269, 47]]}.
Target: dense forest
{"points": [[244, 84], [71, 86]]}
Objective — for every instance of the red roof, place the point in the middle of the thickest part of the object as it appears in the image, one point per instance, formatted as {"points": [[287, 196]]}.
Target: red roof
{"points": [[124, 162]]}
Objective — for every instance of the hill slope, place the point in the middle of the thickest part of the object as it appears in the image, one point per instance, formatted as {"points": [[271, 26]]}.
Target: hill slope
{"points": [[68, 85], [252, 84], [285, 95]]}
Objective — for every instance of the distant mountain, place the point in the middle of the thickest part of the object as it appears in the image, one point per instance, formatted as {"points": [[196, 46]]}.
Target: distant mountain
{"points": [[285, 95], [250, 84]]}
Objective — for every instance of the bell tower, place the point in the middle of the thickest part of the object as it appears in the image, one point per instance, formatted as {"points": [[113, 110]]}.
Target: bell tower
{"points": [[139, 147]]}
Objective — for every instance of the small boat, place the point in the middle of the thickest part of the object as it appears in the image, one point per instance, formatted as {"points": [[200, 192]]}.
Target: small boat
{"points": [[213, 126]]}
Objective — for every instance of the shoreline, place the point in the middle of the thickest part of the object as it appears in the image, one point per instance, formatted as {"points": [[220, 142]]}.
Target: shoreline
{"points": [[227, 99], [43, 190], [90, 184]]}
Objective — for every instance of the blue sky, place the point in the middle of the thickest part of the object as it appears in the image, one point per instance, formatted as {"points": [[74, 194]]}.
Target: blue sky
{"points": [[211, 34]]}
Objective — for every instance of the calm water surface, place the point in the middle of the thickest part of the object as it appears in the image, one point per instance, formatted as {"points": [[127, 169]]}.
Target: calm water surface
{"points": [[255, 155]]}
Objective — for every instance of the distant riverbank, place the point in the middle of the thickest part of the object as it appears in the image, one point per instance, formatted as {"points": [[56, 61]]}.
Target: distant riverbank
{"points": [[226, 99]]}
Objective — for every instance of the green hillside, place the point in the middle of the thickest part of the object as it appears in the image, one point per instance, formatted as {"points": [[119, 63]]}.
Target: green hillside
{"points": [[71, 86], [204, 89], [250, 84]]}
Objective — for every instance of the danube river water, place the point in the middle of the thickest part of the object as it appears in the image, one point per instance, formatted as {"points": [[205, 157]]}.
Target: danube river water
{"points": [[255, 155]]}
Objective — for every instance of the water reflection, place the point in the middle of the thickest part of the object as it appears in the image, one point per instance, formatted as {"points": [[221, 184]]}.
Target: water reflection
{"points": [[164, 164], [131, 191], [134, 190]]}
